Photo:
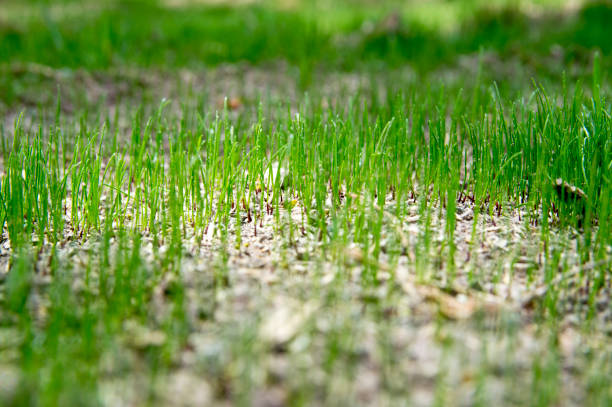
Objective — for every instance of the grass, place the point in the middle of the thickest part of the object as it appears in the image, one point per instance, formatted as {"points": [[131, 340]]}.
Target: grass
{"points": [[120, 33], [399, 240], [346, 173]]}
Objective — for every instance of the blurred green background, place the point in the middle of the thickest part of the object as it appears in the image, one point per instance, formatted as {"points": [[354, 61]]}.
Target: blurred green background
{"points": [[341, 33], [541, 40]]}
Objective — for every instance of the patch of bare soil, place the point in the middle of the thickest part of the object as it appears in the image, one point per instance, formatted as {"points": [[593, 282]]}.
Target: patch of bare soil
{"points": [[37, 85]]}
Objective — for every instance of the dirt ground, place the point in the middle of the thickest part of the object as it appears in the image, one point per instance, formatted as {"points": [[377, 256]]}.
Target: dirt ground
{"points": [[295, 317]]}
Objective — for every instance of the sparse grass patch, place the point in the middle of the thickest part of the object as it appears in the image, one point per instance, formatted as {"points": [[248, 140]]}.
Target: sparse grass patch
{"points": [[356, 208], [108, 236]]}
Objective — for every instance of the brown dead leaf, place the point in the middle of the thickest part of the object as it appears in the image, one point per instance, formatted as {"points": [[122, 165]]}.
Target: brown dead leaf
{"points": [[463, 305], [233, 103], [460, 307]]}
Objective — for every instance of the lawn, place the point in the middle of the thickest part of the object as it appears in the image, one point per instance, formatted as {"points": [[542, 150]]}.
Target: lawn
{"points": [[305, 203]]}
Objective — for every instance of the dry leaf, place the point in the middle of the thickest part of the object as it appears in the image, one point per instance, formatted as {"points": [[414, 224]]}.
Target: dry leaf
{"points": [[451, 307]]}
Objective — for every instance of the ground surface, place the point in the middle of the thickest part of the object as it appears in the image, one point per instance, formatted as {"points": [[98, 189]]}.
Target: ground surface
{"points": [[305, 204], [292, 323]]}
